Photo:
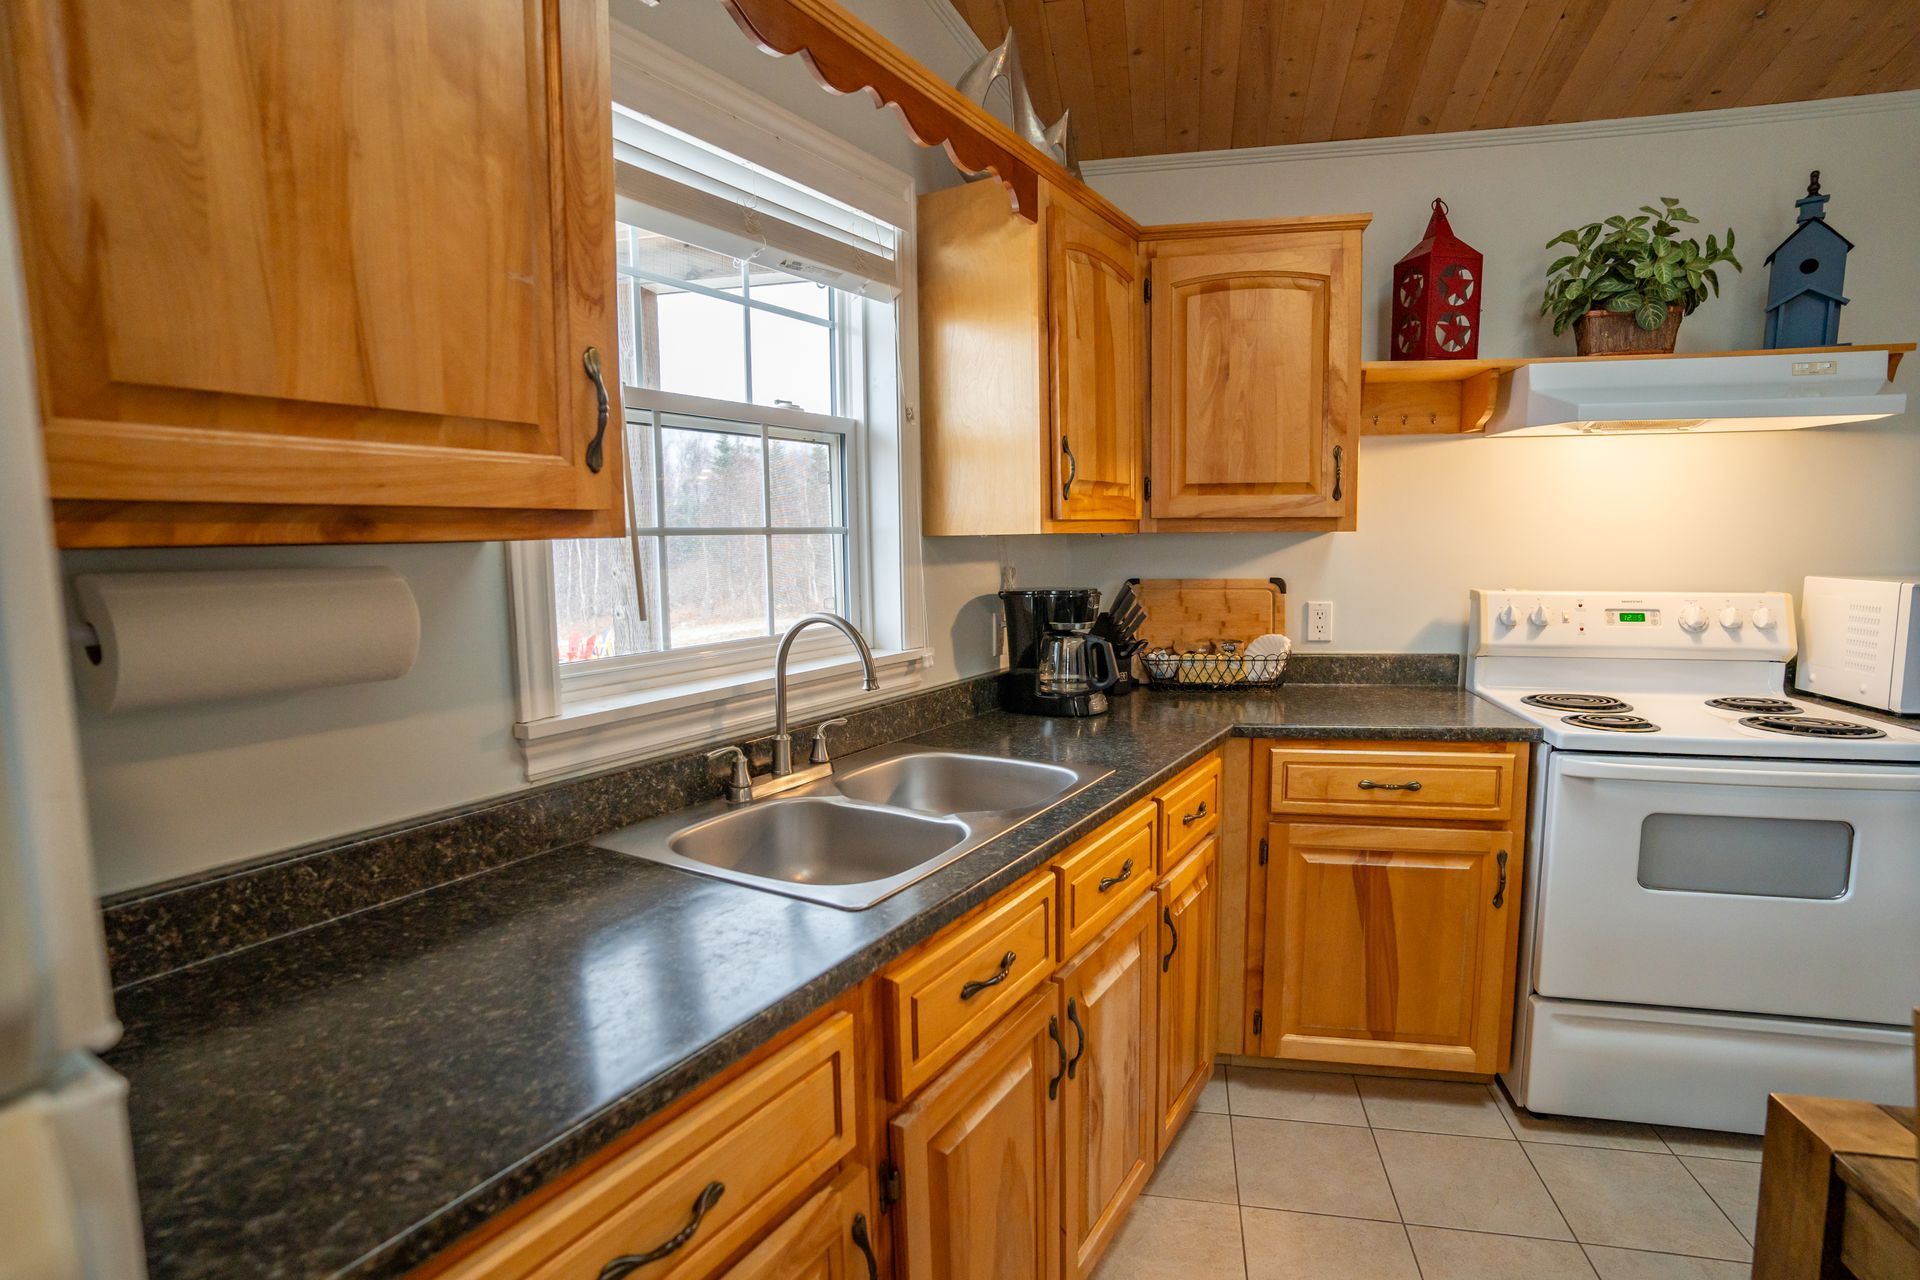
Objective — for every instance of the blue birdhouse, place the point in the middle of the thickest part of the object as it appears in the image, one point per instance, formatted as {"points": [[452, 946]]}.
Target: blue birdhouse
{"points": [[1809, 268]]}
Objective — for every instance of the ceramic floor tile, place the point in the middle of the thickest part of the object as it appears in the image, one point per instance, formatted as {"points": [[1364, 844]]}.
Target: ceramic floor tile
{"points": [[1631, 1264], [1213, 1094], [1311, 1168], [1322, 1097], [1305, 1246], [1711, 1143], [1431, 1106], [1734, 1186], [1199, 1164], [1175, 1240], [1474, 1255], [1636, 1200], [1576, 1131], [1473, 1184]]}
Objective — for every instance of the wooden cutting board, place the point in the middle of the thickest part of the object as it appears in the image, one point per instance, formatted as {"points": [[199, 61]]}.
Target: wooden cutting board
{"points": [[1193, 613]]}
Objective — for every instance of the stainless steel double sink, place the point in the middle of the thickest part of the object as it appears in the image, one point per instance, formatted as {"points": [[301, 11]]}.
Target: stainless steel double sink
{"points": [[884, 819]]}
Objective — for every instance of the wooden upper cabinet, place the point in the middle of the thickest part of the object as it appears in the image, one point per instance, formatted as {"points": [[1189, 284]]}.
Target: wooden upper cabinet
{"points": [[318, 270], [1031, 349], [1094, 319], [1391, 946], [1255, 374]]}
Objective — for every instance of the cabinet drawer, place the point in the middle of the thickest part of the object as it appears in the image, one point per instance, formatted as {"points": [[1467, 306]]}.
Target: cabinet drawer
{"points": [[1474, 785], [1189, 810], [1104, 874], [762, 1140], [941, 1000]]}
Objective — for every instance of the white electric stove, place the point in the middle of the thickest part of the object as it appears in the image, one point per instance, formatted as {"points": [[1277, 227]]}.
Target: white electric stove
{"points": [[1723, 897]]}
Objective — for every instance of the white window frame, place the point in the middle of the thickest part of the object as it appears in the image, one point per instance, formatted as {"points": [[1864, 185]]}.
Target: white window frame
{"points": [[608, 711]]}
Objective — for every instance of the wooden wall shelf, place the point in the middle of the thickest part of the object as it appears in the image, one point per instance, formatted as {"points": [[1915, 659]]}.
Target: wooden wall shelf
{"points": [[1456, 397]]}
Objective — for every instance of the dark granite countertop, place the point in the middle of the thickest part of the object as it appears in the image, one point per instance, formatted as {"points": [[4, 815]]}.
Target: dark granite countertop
{"points": [[349, 1100]]}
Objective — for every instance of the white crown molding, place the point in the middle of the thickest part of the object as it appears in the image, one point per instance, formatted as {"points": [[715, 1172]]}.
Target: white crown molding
{"points": [[1726, 118]]}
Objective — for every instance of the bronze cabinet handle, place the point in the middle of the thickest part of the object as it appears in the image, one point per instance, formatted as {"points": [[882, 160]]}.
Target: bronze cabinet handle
{"points": [[972, 989], [1073, 469], [1195, 816], [864, 1244], [1053, 1030], [596, 447], [1166, 918], [1339, 456], [632, 1262], [1500, 891], [1080, 1045], [1368, 784], [1126, 869]]}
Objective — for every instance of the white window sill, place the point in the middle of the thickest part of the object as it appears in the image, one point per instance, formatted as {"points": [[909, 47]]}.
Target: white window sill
{"points": [[632, 726]]}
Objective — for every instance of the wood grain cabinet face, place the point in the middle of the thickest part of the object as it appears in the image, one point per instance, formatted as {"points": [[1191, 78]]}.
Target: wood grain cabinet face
{"points": [[1391, 945], [1188, 906], [977, 1153], [1094, 308], [1255, 375], [818, 1241], [1108, 1128], [292, 259]]}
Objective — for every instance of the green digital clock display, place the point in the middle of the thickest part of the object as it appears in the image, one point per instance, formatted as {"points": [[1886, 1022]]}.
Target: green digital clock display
{"points": [[1631, 617]]}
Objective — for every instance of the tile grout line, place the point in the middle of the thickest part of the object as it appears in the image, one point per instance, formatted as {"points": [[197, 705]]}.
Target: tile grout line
{"points": [[1711, 1198], [1546, 1187], [1398, 1212]]}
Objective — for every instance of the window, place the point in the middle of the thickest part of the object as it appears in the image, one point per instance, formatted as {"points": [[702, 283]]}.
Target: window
{"points": [[765, 365]]}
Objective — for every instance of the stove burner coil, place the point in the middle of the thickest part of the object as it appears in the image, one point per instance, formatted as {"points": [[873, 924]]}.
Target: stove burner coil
{"points": [[1613, 723], [1757, 706], [1600, 702], [1805, 726]]}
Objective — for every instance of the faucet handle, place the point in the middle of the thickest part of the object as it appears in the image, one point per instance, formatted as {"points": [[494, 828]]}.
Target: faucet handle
{"points": [[819, 753], [739, 783]]}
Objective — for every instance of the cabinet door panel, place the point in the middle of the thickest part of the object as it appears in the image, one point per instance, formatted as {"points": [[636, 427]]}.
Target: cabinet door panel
{"points": [[1254, 381], [318, 252], [1188, 968], [977, 1153], [1108, 1143], [1093, 314], [1392, 944], [817, 1241]]}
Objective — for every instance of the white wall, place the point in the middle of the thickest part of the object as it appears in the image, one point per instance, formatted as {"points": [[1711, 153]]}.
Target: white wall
{"points": [[177, 791], [1439, 516]]}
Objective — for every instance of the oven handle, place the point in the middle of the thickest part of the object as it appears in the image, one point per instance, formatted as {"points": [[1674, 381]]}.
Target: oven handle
{"points": [[1868, 778]]}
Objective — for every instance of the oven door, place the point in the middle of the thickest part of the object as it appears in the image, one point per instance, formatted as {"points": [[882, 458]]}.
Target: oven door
{"points": [[1754, 886]]}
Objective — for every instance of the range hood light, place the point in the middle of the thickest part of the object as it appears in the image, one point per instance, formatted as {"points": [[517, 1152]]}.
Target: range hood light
{"points": [[1669, 395]]}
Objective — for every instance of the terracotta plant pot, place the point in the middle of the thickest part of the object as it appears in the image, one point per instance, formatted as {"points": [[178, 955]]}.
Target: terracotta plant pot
{"points": [[1614, 333]]}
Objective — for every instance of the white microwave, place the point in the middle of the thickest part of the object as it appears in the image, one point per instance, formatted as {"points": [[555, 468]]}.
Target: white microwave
{"points": [[1860, 642]]}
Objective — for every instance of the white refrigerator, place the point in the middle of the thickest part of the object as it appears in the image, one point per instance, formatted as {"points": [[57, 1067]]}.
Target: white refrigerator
{"points": [[68, 1206]]}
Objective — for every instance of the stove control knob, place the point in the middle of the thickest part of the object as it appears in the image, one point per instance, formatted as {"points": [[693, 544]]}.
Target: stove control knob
{"points": [[1506, 617], [1763, 618], [1730, 618], [1693, 618], [1539, 617]]}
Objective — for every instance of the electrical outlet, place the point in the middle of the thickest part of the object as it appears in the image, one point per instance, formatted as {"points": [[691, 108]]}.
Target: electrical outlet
{"points": [[1320, 621]]}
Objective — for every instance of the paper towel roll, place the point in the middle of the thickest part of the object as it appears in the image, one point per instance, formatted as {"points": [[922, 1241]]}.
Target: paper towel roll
{"points": [[169, 638]]}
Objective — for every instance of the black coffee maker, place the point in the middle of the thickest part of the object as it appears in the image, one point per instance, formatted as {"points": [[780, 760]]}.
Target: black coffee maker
{"points": [[1057, 669]]}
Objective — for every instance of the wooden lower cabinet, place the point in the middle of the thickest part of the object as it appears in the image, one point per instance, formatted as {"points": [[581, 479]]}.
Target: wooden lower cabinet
{"points": [[977, 1152], [1108, 1117], [1187, 900], [830, 1237], [1391, 946]]}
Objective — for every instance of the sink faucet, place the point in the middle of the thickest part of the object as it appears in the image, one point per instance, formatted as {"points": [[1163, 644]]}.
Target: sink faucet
{"points": [[782, 740]]}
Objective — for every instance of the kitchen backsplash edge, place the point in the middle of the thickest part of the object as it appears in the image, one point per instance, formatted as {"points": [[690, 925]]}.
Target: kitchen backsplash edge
{"points": [[159, 928]]}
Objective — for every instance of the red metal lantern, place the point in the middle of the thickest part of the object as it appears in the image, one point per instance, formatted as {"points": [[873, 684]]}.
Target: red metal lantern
{"points": [[1436, 296]]}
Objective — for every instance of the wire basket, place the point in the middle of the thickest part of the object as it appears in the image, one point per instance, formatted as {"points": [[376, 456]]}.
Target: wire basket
{"points": [[1213, 670]]}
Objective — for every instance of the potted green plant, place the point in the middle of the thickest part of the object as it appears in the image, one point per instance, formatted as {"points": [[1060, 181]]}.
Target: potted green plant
{"points": [[1629, 280]]}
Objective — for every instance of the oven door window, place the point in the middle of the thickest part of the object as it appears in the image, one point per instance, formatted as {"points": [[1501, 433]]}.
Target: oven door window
{"points": [[1753, 857]]}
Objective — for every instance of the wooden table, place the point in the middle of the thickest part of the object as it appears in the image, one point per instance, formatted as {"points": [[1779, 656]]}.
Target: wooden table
{"points": [[1838, 1195]]}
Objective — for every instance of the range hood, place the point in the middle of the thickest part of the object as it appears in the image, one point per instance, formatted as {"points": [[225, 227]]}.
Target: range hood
{"points": [[1624, 395]]}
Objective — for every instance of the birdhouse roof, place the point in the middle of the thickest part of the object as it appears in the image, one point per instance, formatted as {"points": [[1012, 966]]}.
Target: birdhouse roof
{"points": [[1803, 229], [1788, 295]]}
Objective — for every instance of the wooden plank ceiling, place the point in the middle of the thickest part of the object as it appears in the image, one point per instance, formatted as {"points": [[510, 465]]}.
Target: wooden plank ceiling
{"points": [[1145, 77]]}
